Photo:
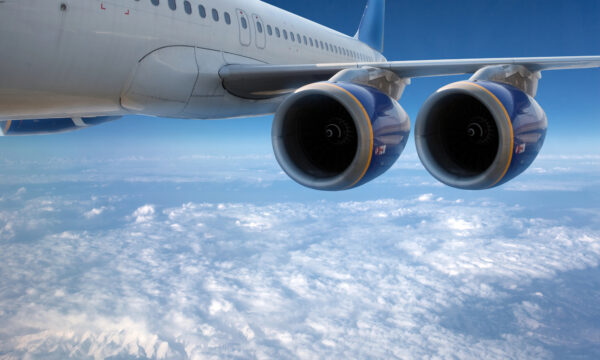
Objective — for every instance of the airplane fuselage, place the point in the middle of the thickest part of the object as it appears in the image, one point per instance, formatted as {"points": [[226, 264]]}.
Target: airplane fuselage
{"points": [[98, 58]]}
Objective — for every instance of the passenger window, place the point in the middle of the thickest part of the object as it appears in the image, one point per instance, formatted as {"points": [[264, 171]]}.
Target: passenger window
{"points": [[292, 36], [269, 30], [326, 47], [299, 38], [172, 5], [322, 46], [311, 42], [227, 18], [244, 22], [155, 2], [305, 41], [277, 32], [285, 34], [187, 7], [202, 11], [215, 15], [259, 27]]}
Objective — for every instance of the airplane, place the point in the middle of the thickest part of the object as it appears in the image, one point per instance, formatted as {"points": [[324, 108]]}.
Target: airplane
{"points": [[68, 65]]}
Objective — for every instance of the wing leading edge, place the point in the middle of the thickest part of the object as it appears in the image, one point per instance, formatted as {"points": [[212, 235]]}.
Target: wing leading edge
{"points": [[268, 81]]}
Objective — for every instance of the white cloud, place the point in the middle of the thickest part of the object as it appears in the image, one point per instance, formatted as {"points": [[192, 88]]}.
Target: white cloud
{"points": [[426, 197], [433, 276], [143, 213], [288, 280], [94, 212]]}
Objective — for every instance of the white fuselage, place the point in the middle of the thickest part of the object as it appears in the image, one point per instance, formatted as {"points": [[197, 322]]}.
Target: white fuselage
{"points": [[64, 58]]}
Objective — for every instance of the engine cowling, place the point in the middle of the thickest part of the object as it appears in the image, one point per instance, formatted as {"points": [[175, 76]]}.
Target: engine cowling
{"points": [[479, 134], [338, 135], [50, 126]]}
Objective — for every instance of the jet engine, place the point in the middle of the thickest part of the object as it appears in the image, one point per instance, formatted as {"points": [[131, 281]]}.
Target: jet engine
{"points": [[479, 134], [50, 126], [338, 135]]}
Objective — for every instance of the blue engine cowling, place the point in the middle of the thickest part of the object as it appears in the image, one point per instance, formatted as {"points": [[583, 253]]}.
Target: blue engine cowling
{"points": [[50, 126], [338, 135], [479, 134]]}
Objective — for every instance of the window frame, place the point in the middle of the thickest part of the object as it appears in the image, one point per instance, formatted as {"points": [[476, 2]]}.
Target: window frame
{"points": [[215, 15]]}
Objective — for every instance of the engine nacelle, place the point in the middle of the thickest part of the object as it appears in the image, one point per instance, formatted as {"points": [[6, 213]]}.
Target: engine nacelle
{"points": [[50, 126], [479, 134], [338, 135]]}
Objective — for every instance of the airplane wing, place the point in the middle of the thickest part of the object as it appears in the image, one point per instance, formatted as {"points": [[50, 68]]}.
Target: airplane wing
{"points": [[268, 81]]}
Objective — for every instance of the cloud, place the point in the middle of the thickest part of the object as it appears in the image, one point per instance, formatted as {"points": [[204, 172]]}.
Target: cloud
{"points": [[143, 214], [426, 197], [94, 212], [238, 275], [365, 279]]}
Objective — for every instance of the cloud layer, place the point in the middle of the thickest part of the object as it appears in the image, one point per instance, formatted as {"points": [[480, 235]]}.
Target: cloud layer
{"points": [[425, 277]]}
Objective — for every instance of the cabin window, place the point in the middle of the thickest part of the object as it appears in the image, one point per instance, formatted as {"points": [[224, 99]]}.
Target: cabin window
{"points": [[259, 27], [215, 15], [277, 32], [244, 22], [285, 34], [305, 40], [292, 36], [269, 30], [326, 47], [154, 2], [172, 5], [187, 7], [227, 18], [299, 39], [202, 11], [311, 42]]}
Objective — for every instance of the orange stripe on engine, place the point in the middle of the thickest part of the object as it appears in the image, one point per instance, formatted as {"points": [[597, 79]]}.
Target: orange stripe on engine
{"points": [[512, 139], [7, 126], [370, 131]]}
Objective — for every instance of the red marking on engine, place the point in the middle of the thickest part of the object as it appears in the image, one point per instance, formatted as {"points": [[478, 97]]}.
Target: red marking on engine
{"points": [[520, 148], [380, 150]]}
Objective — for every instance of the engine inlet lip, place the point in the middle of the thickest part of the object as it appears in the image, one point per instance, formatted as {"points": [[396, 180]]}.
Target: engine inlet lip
{"points": [[361, 159], [497, 170]]}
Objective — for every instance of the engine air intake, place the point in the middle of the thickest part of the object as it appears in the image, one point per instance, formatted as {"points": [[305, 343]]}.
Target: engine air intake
{"points": [[338, 135], [477, 135]]}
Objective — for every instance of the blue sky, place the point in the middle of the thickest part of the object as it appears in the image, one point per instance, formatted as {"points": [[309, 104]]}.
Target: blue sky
{"points": [[179, 239]]}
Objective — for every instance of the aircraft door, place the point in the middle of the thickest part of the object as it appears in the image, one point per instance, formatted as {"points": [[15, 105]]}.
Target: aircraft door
{"points": [[259, 27], [244, 24]]}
